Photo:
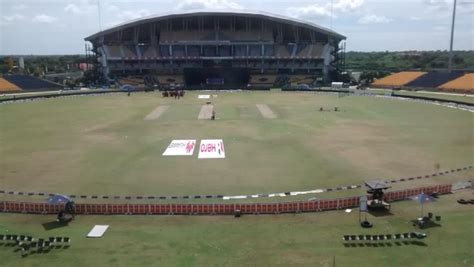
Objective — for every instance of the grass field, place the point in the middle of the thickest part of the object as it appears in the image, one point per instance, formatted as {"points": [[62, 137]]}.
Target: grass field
{"points": [[103, 145], [274, 240]]}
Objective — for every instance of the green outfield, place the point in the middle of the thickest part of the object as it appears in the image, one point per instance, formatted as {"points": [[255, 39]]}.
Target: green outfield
{"points": [[102, 145], [269, 240]]}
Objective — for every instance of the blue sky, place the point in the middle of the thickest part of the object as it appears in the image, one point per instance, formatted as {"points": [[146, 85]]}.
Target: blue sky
{"points": [[59, 26]]}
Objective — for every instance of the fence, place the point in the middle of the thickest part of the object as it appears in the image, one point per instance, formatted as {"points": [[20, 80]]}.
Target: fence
{"points": [[213, 209]]}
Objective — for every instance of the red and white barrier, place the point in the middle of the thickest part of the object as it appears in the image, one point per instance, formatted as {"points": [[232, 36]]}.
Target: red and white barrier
{"points": [[214, 209]]}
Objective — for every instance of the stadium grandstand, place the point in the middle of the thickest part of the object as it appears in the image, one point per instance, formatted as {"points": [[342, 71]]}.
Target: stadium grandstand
{"points": [[464, 83], [397, 79], [433, 79], [20, 82], [8, 87], [446, 81], [220, 49]]}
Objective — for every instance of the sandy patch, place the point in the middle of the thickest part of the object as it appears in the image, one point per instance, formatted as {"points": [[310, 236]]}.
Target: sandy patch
{"points": [[157, 112], [206, 112], [266, 112]]}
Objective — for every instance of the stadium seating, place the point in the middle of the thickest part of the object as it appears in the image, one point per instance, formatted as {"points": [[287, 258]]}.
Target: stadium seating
{"points": [[169, 79], [132, 80], [398, 79], [433, 79], [301, 79], [262, 80], [194, 51], [240, 50], [8, 87], [303, 51], [149, 52], [255, 50], [316, 50], [464, 83], [282, 51], [269, 51], [129, 52], [113, 51], [30, 83]]}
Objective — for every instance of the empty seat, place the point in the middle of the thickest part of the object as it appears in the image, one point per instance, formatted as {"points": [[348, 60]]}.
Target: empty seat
{"points": [[464, 83], [26, 82], [8, 87], [434, 79], [398, 79]]}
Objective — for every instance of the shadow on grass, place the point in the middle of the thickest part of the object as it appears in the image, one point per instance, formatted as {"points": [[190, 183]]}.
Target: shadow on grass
{"points": [[429, 224], [385, 244], [380, 213], [53, 225]]}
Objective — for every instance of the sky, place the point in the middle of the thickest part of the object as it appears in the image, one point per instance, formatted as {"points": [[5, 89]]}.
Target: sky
{"points": [[42, 27]]}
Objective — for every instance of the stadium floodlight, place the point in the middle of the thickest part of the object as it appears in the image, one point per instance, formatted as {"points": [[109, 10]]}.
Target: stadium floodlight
{"points": [[450, 63]]}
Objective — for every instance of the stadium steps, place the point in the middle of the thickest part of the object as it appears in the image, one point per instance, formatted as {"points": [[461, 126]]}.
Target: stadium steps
{"points": [[433, 79], [30, 83], [8, 87], [464, 83], [398, 79]]}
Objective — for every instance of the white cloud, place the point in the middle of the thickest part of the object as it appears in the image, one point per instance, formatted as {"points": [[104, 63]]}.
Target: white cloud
{"points": [[463, 6], [415, 18], [374, 19], [310, 11], [72, 8], [82, 7], [19, 7], [324, 10], [12, 18], [133, 14], [207, 4], [347, 5], [43, 18]]}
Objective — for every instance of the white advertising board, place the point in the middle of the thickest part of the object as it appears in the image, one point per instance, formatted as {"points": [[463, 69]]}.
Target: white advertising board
{"points": [[211, 149], [180, 148], [204, 96]]}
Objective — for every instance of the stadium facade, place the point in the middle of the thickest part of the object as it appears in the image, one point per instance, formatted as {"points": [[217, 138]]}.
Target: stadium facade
{"points": [[217, 49]]}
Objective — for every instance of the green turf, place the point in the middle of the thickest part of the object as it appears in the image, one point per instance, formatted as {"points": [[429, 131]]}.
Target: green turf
{"points": [[273, 240], [102, 145]]}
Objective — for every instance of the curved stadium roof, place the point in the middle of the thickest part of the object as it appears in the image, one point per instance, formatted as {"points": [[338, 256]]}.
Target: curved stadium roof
{"points": [[243, 13]]}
